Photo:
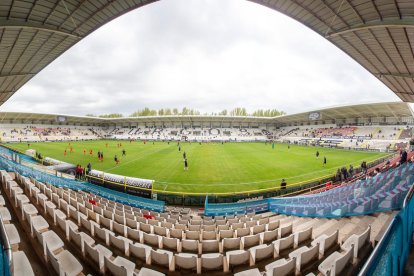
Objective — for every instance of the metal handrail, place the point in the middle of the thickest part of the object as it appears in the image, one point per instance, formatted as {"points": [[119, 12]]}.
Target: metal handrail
{"points": [[375, 252], [7, 245], [409, 195]]}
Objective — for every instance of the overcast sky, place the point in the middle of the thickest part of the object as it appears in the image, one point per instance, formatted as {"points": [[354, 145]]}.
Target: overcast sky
{"points": [[204, 54]]}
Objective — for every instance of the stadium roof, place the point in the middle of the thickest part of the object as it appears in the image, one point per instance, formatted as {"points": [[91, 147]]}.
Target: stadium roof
{"points": [[377, 34], [395, 110], [26, 117]]}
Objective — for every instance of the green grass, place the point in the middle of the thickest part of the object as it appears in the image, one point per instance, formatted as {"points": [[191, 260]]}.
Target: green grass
{"points": [[213, 167]]}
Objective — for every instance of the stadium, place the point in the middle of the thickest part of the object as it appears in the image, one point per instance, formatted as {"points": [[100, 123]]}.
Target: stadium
{"points": [[325, 191]]}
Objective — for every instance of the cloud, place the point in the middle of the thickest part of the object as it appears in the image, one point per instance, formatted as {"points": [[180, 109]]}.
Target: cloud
{"points": [[206, 54]]}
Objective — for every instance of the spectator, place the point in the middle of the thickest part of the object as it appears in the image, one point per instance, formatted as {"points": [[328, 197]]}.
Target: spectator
{"points": [[77, 171], [283, 184], [344, 173], [364, 167], [351, 171], [403, 158], [338, 175]]}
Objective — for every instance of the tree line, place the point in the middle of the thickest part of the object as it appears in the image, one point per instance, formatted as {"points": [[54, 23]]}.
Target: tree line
{"points": [[238, 111]]}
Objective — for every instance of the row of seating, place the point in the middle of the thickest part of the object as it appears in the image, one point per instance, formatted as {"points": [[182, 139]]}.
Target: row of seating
{"points": [[14, 133], [53, 247], [191, 261], [148, 204], [225, 209], [146, 249], [97, 231], [153, 234], [127, 247], [335, 264], [20, 263], [177, 210], [62, 260], [383, 192], [196, 133], [202, 229]]}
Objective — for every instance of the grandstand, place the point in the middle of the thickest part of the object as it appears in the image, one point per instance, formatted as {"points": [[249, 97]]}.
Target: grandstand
{"points": [[66, 223], [51, 224], [379, 126], [330, 231]]}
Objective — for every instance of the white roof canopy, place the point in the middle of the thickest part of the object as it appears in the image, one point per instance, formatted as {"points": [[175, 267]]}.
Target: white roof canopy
{"points": [[396, 110]]}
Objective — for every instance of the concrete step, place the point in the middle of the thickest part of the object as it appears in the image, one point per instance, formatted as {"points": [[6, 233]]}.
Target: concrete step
{"points": [[277, 217], [379, 226], [337, 226], [319, 229], [363, 221], [299, 221], [347, 230], [306, 225], [287, 220], [268, 215]]}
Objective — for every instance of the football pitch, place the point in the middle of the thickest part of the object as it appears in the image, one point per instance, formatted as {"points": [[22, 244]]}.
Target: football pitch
{"points": [[212, 167]]}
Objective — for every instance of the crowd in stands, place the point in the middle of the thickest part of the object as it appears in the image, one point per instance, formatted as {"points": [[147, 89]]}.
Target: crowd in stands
{"points": [[343, 174], [359, 137], [23, 133], [351, 132], [191, 133]]}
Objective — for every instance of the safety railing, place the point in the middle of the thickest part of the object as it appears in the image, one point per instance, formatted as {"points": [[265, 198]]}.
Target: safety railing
{"points": [[384, 192], [7, 250], [125, 198], [390, 255], [224, 209]]}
